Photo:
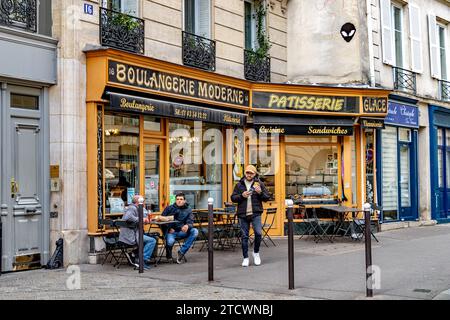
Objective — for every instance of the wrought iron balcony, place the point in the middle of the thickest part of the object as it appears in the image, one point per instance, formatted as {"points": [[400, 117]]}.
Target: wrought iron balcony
{"points": [[256, 67], [19, 14], [404, 80], [444, 88], [199, 52], [121, 31]]}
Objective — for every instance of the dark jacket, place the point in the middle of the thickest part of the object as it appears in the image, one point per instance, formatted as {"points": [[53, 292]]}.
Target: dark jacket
{"points": [[182, 214], [257, 199]]}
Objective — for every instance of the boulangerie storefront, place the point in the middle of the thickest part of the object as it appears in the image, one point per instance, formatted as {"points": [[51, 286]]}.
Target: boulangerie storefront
{"points": [[397, 161], [151, 125]]}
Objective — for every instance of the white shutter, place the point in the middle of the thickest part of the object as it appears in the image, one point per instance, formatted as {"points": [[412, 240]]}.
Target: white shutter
{"points": [[416, 38], [389, 168], [387, 32], [203, 21], [434, 49], [130, 7]]}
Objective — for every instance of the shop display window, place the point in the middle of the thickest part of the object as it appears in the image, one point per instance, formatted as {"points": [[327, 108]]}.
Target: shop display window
{"points": [[121, 149], [311, 172], [195, 163]]}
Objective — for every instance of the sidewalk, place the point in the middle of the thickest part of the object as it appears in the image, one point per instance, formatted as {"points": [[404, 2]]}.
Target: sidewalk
{"points": [[414, 264]]}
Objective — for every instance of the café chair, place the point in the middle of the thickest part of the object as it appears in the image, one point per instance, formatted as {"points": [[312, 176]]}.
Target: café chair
{"points": [[360, 224], [111, 241], [268, 224]]}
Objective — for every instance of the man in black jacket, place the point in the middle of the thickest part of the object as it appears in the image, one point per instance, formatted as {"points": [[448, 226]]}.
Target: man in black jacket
{"points": [[183, 228], [249, 193]]}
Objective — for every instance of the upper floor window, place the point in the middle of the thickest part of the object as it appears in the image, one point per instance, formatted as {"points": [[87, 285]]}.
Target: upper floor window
{"points": [[29, 15], [442, 31], [398, 35], [250, 25], [197, 17], [437, 34], [130, 7]]}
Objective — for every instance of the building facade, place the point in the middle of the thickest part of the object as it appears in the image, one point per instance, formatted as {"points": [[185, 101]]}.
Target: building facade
{"points": [[401, 46], [311, 93], [411, 47], [27, 75]]}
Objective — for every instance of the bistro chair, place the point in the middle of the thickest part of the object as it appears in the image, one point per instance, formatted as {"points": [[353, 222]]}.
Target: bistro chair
{"points": [[201, 219], [360, 224], [268, 224], [307, 224], [232, 229], [125, 248], [321, 227], [111, 241]]}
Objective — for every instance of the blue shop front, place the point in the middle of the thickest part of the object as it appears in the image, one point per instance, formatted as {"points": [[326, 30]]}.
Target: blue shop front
{"points": [[440, 163], [397, 173]]}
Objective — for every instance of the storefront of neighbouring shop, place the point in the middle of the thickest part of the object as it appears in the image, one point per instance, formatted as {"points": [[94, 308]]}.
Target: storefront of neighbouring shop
{"points": [[157, 128], [440, 163], [397, 173], [326, 143]]}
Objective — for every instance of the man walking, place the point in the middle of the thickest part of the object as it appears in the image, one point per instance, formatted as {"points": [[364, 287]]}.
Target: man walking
{"points": [[249, 193]]}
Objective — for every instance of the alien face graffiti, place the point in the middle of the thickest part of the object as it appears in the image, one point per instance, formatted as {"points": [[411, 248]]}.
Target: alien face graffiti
{"points": [[348, 30]]}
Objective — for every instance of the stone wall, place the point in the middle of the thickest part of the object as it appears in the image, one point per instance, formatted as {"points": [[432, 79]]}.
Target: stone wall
{"points": [[316, 51]]}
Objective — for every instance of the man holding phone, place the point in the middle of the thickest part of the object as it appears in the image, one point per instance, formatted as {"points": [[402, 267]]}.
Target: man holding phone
{"points": [[249, 193]]}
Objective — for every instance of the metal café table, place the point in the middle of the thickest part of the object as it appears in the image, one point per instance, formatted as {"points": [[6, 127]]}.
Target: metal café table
{"points": [[341, 212]]}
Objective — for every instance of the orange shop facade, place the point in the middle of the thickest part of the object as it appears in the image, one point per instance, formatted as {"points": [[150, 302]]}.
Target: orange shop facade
{"points": [[155, 128]]}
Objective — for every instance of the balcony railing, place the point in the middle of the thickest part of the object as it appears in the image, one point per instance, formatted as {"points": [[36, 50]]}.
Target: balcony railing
{"points": [[444, 88], [121, 31], [404, 80], [19, 14], [199, 52], [256, 67]]}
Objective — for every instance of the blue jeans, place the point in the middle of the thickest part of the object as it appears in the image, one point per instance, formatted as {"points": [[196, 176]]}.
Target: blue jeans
{"points": [[245, 227], [149, 246], [191, 235]]}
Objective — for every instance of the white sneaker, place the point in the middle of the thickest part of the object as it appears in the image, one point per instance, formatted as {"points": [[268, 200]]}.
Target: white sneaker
{"points": [[257, 259], [245, 262]]}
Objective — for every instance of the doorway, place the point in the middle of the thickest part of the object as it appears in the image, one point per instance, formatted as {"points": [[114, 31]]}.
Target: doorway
{"points": [[155, 175], [24, 197]]}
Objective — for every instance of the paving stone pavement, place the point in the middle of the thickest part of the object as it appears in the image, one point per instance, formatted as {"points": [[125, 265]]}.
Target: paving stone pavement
{"points": [[414, 263]]}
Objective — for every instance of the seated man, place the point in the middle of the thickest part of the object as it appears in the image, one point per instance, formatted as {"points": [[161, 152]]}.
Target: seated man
{"points": [[182, 229], [131, 235]]}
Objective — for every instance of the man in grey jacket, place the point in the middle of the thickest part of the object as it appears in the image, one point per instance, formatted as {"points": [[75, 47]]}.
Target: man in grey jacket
{"points": [[131, 235]]}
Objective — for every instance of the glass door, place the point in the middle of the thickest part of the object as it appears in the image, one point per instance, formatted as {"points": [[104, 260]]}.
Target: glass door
{"points": [[443, 194], [154, 180], [405, 181]]}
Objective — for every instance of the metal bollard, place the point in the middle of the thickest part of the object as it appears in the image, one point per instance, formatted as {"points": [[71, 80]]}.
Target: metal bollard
{"points": [[368, 243], [210, 240], [290, 216], [141, 234], [1, 245]]}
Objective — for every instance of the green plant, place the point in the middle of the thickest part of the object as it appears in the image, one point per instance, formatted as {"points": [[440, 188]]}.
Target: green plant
{"points": [[124, 19], [261, 37]]}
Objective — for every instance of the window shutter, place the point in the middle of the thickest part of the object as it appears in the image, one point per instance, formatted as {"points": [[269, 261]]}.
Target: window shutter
{"points": [[203, 27], [387, 32], [389, 168], [130, 7], [416, 39], [434, 49]]}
